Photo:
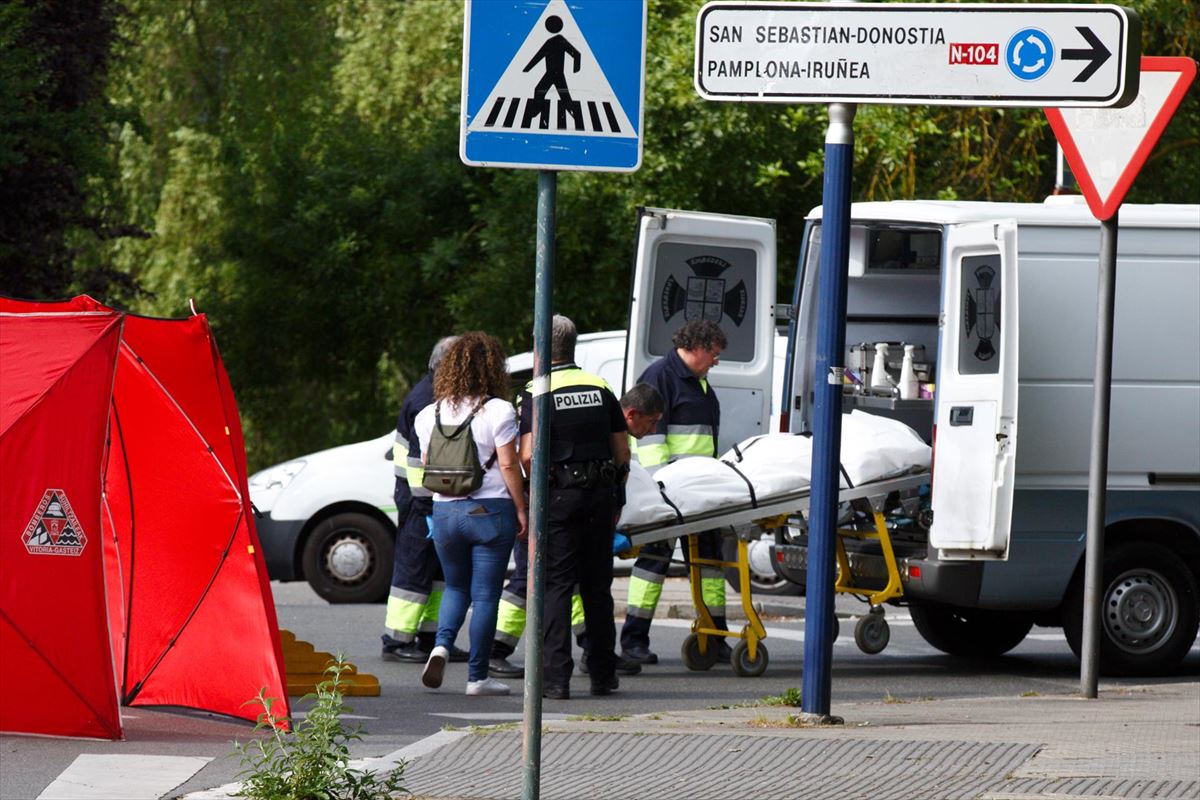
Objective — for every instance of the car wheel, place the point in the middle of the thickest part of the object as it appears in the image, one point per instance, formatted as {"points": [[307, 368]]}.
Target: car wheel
{"points": [[1148, 610], [761, 581], [348, 558], [970, 632]]}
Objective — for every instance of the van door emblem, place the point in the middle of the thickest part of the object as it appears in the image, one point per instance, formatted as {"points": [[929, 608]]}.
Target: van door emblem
{"points": [[981, 320], [702, 295]]}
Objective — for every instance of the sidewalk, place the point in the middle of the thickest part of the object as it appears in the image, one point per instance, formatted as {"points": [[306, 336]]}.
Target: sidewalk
{"points": [[1141, 742]]}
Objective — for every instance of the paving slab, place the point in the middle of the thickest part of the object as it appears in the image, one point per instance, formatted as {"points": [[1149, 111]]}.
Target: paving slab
{"points": [[1141, 742]]}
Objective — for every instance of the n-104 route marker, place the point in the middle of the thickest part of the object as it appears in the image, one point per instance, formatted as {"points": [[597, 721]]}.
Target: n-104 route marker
{"points": [[918, 54]]}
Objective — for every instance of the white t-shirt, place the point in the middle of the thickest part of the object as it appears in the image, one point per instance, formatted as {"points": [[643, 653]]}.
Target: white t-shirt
{"points": [[494, 426]]}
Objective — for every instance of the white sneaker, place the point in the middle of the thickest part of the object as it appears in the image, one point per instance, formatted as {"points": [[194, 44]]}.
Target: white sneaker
{"points": [[432, 675], [489, 686]]}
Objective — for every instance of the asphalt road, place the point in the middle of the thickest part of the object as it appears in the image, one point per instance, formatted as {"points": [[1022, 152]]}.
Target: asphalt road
{"points": [[406, 712]]}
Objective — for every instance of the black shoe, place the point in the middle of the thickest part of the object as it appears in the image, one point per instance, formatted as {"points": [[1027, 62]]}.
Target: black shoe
{"points": [[624, 666], [458, 655], [627, 667], [724, 652], [406, 654], [556, 691], [639, 655], [503, 668], [609, 686]]}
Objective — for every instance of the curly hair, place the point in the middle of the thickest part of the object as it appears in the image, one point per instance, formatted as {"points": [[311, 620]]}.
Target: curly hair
{"points": [[699, 334], [472, 367]]}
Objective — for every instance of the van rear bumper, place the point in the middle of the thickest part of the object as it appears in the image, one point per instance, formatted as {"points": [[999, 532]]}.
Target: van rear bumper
{"points": [[953, 583]]}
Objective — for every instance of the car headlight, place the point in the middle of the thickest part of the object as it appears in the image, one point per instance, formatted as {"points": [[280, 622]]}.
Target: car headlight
{"points": [[276, 478]]}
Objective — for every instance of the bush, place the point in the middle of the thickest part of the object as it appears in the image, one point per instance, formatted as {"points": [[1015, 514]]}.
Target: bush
{"points": [[312, 762]]}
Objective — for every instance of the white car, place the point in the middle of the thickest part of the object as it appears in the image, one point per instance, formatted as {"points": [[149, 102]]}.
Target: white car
{"points": [[330, 517]]}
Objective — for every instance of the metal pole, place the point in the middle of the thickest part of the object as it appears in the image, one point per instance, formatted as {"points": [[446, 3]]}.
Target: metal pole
{"points": [[542, 303], [1093, 574], [827, 409]]}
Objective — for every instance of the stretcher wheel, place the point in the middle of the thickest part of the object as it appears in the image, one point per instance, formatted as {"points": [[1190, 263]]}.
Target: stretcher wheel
{"points": [[743, 667], [872, 633], [693, 659]]}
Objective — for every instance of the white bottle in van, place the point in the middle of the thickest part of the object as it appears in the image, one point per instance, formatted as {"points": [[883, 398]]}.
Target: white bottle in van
{"points": [[879, 373], [909, 389]]}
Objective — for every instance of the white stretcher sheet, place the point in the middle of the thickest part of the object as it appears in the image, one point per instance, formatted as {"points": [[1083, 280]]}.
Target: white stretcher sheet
{"points": [[644, 503], [874, 448]]}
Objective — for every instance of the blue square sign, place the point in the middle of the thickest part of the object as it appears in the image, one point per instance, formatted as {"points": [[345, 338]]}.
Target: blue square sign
{"points": [[553, 85]]}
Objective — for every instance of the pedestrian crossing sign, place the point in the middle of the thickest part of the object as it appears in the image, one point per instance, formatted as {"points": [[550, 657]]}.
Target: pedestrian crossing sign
{"points": [[554, 85]]}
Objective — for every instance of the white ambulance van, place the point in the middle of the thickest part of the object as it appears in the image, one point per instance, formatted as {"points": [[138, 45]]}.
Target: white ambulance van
{"points": [[1000, 301]]}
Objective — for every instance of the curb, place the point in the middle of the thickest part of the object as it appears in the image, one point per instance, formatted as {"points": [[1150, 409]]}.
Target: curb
{"points": [[685, 611]]}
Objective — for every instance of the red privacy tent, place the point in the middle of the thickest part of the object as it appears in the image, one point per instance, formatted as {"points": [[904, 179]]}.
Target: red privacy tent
{"points": [[130, 571]]}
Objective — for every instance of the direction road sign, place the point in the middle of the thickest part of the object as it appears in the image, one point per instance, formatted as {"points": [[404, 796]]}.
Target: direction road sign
{"points": [[547, 86], [918, 53], [1106, 147]]}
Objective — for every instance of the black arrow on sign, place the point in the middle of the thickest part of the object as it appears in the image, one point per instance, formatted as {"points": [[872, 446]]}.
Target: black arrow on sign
{"points": [[1097, 54]]}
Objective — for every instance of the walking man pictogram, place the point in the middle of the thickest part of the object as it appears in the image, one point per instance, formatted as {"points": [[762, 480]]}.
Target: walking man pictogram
{"points": [[553, 53]]}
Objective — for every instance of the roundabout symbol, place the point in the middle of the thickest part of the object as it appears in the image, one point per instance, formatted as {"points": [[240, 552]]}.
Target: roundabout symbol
{"points": [[1029, 54]]}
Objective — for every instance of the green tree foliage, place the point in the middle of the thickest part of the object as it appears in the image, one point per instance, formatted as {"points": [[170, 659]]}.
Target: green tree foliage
{"points": [[296, 162], [54, 57]]}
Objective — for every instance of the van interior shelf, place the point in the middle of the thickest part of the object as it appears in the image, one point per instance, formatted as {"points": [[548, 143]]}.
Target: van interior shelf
{"points": [[852, 401]]}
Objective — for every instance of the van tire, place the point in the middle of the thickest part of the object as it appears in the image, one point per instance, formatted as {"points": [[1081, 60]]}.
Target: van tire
{"points": [[970, 632], [358, 545], [1139, 578]]}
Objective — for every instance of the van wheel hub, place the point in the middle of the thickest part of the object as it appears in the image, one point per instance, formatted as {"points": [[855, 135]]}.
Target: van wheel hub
{"points": [[348, 559], [1140, 611]]}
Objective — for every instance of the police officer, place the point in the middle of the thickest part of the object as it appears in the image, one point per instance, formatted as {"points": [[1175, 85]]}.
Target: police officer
{"points": [[641, 406], [588, 463], [417, 582], [688, 427]]}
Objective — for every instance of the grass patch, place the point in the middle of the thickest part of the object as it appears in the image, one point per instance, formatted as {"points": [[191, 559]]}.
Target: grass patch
{"points": [[1031, 693], [892, 700], [790, 697], [597, 718]]}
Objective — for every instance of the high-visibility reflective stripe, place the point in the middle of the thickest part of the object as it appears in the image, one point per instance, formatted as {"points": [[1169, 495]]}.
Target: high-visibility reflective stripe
{"points": [[643, 596], [652, 451], [510, 622], [576, 612], [512, 599], [689, 430], [419, 598], [648, 575], [403, 615], [429, 616], [402, 637], [712, 590], [399, 453], [572, 377], [415, 474], [691, 444]]}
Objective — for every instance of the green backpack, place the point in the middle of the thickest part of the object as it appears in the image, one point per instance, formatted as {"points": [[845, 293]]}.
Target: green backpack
{"points": [[451, 460]]}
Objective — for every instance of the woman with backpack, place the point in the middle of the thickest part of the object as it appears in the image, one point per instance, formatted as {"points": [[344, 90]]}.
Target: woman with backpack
{"points": [[468, 442]]}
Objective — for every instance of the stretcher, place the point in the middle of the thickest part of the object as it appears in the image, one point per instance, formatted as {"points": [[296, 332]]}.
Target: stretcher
{"points": [[748, 522]]}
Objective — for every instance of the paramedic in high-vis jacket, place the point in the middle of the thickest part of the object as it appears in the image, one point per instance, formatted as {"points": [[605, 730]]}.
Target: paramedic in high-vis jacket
{"points": [[688, 427], [417, 583]]}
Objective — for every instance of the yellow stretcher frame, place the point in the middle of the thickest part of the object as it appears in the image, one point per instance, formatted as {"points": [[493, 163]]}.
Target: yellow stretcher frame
{"points": [[750, 655]]}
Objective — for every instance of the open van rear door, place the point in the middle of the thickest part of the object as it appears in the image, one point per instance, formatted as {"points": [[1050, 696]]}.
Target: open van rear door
{"points": [[975, 433], [709, 266]]}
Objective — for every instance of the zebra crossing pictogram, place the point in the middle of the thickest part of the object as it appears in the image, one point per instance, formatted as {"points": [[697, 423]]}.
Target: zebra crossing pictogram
{"points": [[553, 91]]}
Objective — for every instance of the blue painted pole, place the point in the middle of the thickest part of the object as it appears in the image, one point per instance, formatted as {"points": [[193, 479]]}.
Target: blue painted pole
{"points": [[827, 409], [538, 486]]}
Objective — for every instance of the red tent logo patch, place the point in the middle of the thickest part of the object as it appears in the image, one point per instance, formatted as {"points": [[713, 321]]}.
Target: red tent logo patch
{"points": [[54, 529]]}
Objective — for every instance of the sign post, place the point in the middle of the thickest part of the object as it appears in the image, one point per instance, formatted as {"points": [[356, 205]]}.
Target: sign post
{"points": [[549, 87], [893, 53], [1106, 149]]}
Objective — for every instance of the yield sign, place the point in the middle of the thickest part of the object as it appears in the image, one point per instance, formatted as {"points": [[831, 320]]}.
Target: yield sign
{"points": [[1106, 147]]}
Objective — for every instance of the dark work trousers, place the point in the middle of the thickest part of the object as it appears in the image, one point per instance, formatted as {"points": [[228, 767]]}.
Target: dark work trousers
{"points": [[651, 568], [416, 577], [579, 541]]}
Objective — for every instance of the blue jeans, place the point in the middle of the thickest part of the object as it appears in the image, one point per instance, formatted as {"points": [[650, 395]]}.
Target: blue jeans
{"points": [[474, 539]]}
